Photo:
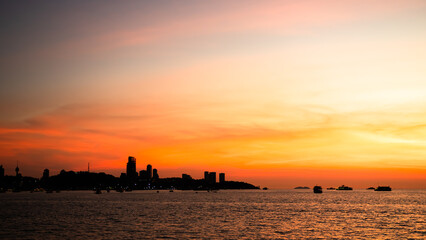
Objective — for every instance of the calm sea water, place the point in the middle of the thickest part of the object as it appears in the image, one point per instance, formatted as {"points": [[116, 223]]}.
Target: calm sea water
{"points": [[256, 214]]}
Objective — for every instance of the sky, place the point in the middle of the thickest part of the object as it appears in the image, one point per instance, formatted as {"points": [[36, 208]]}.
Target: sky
{"points": [[275, 93]]}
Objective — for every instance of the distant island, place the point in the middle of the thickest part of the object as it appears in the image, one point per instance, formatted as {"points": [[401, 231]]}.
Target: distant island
{"points": [[301, 187], [131, 180], [345, 188]]}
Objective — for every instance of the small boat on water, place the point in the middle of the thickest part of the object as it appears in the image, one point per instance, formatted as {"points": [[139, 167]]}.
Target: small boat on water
{"points": [[265, 188], [383, 188], [371, 188], [343, 187], [317, 189], [331, 188]]}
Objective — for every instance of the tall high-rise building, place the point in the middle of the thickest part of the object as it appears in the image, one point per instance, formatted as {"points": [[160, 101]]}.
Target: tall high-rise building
{"points": [[1, 171], [131, 169], [206, 176], [45, 174], [149, 171], [155, 174], [212, 178], [221, 177]]}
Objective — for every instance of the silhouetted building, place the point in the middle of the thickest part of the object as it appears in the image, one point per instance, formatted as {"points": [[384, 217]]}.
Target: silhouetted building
{"points": [[212, 177], [17, 170], [1, 171], [45, 174], [206, 176], [143, 174], [186, 176], [149, 171], [131, 169], [221, 177], [155, 174], [123, 179], [18, 178]]}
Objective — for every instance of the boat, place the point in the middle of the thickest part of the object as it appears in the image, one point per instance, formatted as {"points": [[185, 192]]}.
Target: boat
{"points": [[371, 188], [343, 187], [331, 188], [317, 189], [383, 188], [265, 188]]}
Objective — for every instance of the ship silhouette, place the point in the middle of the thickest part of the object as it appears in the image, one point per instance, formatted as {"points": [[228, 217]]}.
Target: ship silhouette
{"points": [[383, 188], [317, 189], [343, 187]]}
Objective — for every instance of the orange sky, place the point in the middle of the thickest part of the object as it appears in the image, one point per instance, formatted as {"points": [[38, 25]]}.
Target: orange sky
{"points": [[276, 93]]}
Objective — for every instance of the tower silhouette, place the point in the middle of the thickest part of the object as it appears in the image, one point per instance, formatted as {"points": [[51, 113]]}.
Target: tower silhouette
{"points": [[17, 170], [131, 169], [221, 177], [149, 171]]}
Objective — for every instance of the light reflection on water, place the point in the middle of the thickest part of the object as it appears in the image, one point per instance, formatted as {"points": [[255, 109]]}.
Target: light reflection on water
{"points": [[226, 214]]}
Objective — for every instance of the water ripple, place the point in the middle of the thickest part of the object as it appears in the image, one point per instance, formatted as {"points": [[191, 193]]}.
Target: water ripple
{"points": [[224, 215]]}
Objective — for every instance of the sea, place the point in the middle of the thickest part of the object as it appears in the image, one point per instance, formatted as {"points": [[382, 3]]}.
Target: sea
{"points": [[225, 214]]}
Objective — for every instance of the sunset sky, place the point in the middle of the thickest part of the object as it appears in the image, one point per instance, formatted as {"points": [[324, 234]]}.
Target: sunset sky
{"points": [[275, 93]]}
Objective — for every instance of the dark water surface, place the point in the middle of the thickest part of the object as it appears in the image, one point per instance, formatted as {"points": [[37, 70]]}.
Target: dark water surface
{"points": [[256, 214]]}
